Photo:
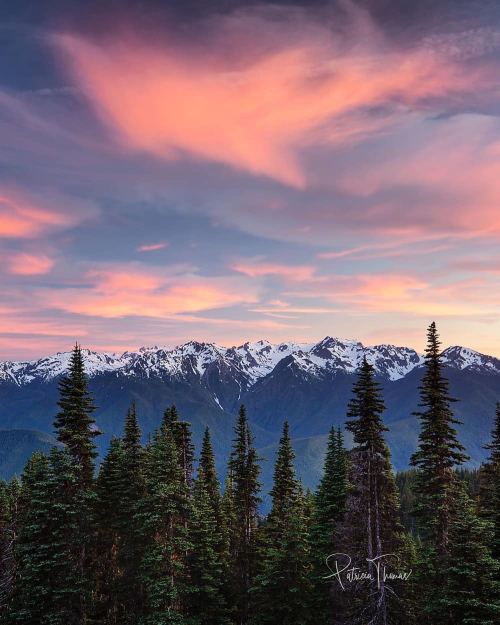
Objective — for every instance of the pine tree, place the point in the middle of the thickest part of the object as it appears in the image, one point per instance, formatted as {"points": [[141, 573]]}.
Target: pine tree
{"points": [[489, 495], [230, 542], [469, 591], [282, 588], [207, 562], [118, 551], [244, 471], [74, 423], [9, 507], [439, 450], [31, 599], [328, 512], [181, 431], [370, 528], [51, 586], [209, 473], [164, 509], [107, 606], [131, 492]]}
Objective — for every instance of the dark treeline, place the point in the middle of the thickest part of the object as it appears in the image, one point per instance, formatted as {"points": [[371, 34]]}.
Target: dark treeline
{"points": [[155, 539]]}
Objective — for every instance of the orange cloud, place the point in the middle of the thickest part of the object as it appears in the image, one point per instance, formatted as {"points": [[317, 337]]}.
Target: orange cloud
{"points": [[23, 216], [455, 162], [294, 273], [29, 264], [254, 109], [132, 291]]}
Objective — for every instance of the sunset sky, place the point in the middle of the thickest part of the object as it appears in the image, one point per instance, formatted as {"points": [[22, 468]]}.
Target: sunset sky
{"points": [[283, 171]]}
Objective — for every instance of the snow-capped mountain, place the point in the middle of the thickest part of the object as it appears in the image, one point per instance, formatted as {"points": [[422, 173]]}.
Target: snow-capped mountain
{"points": [[248, 362], [309, 384]]}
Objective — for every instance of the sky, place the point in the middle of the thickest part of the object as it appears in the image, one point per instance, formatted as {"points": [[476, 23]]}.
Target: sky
{"points": [[233, 171]]}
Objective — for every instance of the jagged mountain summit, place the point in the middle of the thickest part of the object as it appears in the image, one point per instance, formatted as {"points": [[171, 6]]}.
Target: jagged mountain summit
{"points": [[308, 384], [249, 362]]}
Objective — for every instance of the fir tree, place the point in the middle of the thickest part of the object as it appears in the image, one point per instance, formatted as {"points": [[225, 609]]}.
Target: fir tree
{"points": [[489, 495], [31, 599], [439, 450], [230, 542], [131, 468], [163, 512], [74, 423], [51, 586], [181, 431], [244, 471], [9, 508], [469, 590], [109, 489], [282, 588], [370, 527], [208, 564], [328, 511], [209, 473]]}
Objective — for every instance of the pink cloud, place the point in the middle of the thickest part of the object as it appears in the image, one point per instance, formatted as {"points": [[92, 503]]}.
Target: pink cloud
{"points": [[293, 273], [152, 247], [454, 164], [29, 264], [254, 102], [25, 215], [130, 290]]}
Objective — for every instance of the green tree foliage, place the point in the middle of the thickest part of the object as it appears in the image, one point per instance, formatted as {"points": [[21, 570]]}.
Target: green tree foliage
{"points": [[51, 586], [282, 588], [9, 509], [438, 452], [107, 606], [208, 473], [469, 591], [370, 528], [74, 423], [327, 512], [164, 571], [146, 544], [181, 431], [208, 563], [489, 497], [244, 471]]}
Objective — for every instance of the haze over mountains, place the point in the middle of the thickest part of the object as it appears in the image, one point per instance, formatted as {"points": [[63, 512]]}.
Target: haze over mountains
{"points": [[308, 384]]}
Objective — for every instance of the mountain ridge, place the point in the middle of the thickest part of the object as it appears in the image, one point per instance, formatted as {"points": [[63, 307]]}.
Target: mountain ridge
{"points": [[253, 360], [309, 384]]}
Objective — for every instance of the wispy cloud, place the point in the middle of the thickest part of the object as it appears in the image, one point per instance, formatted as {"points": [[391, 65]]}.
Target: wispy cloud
{"points": [[152, 247], [255, 106], [24, 264]]}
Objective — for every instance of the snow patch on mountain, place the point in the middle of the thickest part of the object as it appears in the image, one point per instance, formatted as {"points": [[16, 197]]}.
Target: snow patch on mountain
{"points": [[248, 362], [465, 358]]}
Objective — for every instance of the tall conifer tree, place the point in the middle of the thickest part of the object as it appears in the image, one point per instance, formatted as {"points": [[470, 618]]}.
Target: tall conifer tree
{"points": [[51, 583], [107, 606], [469, 589], [131, 467], [489, 495], [282, 589], [9, 512], [209, 473], [74, 423], [328, 512], [438, 452], [244, 471], [181, 431], [208, 563], [163, 512], [370, 527]]}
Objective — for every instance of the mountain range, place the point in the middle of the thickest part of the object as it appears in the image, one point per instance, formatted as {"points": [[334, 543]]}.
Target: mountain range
{"points": [[307, 383]]}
